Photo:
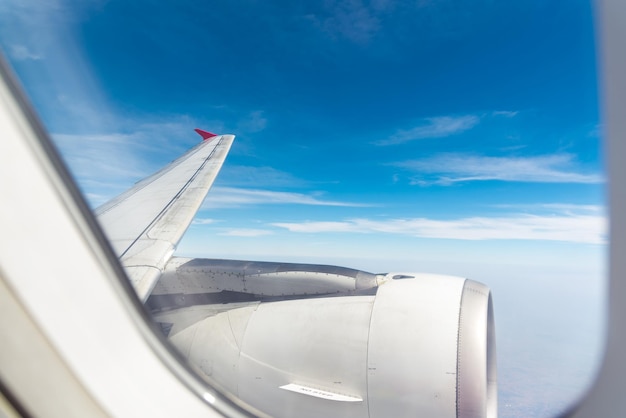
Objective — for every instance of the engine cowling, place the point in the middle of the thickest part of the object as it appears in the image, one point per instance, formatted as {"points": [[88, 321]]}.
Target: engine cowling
{"points": [[423, 345]]}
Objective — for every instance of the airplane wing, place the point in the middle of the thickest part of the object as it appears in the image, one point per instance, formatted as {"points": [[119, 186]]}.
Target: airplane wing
{"points": [[302, 339], [145, 223]]}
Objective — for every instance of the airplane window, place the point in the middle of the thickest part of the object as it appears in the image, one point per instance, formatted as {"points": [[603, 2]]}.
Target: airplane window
{"points": [[398, 140]]}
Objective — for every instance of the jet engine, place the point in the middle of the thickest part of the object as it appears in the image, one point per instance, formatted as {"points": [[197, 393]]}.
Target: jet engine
{"points": [[398, 344]]}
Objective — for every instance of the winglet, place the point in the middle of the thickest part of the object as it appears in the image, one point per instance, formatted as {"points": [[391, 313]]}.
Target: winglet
{"points": [[204, 134]]}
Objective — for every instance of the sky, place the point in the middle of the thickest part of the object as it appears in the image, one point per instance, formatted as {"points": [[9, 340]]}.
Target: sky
{"points": [[439, 136]]}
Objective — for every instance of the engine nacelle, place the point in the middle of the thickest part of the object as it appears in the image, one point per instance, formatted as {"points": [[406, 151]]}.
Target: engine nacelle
{"points": [[423, 345]]}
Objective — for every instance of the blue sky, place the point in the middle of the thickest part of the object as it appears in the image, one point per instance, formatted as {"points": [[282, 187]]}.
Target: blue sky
{"points": [[452, 137]]}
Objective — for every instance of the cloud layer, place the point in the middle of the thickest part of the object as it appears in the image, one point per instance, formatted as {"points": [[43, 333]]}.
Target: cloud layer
{"points": [[579, 228], [22, 53], [445, 169], [437, 127], [235, 197]]}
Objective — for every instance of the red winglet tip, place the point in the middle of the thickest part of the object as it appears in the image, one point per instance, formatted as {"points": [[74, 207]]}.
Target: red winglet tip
{"points": [[204, 134]]}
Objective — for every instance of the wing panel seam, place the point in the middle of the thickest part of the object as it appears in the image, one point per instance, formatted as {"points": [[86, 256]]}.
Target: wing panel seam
{"points": [[173, 199]]}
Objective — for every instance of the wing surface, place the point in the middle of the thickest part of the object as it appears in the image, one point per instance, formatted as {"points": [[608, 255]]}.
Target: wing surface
{"points": [[145, 223]]}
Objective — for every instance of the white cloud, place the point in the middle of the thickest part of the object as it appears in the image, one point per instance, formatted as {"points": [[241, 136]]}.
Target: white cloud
{"points": [[235, 197], [203, 221], [96, 199], [437, 127], [264, 176], [22, 53], [564, 208], [245, 232], [108, 156], [589, 229], [445, 169], [355, 225], [107, 164], [505, 113]]}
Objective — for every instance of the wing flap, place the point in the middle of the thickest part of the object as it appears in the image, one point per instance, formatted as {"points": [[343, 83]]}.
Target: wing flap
{"points": [[145, 223]]}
